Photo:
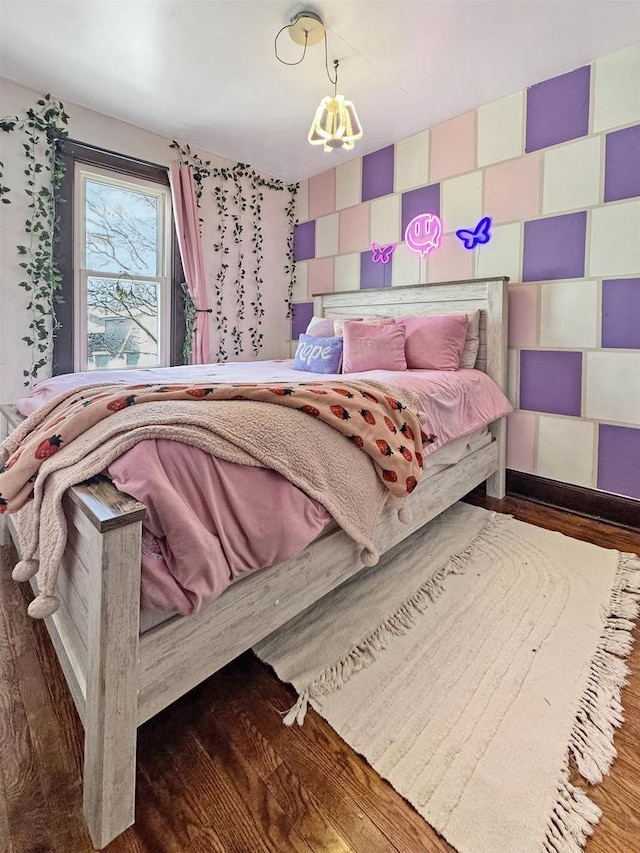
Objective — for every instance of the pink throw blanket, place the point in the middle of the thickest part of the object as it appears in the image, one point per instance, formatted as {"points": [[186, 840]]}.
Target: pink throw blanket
{"points": [[380, 425]]}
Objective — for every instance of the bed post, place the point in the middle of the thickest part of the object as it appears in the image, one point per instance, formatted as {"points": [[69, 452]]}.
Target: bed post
{"points": [[112, 674], [497, 370]]}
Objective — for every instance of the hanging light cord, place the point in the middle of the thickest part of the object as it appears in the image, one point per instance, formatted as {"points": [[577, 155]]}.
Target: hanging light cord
{"points": [[334, 82], [326, 63], [304, 52]]}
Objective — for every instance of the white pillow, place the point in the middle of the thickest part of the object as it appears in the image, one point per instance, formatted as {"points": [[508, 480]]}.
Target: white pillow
{"points": [[472, 343]]}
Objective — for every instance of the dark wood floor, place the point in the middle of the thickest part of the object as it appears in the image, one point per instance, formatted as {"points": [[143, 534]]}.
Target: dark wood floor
{"points": [[217, 771]]}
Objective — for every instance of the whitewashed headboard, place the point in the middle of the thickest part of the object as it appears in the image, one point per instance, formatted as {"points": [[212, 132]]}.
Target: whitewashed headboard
{"points": [[449, 297], [487, 294]]}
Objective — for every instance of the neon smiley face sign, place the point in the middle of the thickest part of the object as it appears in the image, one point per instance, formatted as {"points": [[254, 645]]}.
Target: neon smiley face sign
{"points": [[423, 233]]}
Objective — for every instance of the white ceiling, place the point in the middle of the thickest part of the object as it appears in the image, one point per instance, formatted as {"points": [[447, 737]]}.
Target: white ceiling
{"points": [[205, 71]]}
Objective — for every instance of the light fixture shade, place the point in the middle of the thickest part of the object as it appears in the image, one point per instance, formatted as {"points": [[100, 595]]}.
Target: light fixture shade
{"points": [[336, 124]]}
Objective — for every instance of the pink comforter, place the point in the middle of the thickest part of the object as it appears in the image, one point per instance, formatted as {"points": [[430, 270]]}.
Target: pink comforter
{"points": [[208, 521]]}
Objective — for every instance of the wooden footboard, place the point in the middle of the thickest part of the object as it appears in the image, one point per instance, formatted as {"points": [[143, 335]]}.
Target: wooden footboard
{"points": [[95, 633]]}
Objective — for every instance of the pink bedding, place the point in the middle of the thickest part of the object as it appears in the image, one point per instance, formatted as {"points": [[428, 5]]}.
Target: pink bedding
{"points": [[209, 521]]}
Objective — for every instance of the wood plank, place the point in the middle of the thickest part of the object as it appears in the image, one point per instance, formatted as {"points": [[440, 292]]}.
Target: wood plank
{"points": [[25, 807], [110, 715], [304, 814], [336, 773]]}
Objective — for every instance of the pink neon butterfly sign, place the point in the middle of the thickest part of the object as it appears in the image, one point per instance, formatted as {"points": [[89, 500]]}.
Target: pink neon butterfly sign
{"points": [[423, 233], [382, 254]]}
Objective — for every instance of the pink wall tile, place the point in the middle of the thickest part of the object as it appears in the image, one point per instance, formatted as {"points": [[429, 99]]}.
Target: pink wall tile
{"points": [[451, 261], [453, 147], [512, 189], [320, 276], [521, 441], [322, 194], [354, 229], [523, 315]]}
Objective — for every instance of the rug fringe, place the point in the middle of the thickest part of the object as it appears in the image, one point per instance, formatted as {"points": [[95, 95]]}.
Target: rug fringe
{"points": [[599, 714], [399, 623], [600, 710], [573, 819]]}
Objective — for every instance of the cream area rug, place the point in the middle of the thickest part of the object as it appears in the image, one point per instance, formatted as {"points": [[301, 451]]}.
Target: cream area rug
{"points": [[468, 667]]}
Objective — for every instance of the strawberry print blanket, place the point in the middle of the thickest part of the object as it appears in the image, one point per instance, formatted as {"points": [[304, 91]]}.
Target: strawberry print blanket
{"points": [[387, 430], [81, 432]]}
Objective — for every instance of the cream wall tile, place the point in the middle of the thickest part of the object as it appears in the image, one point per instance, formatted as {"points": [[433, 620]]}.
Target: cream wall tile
{"points": [[513, 361], [615, 240], [302, 280], [349, 184], [293, 346], [572, 176], [412, 162], [569, 315], [461, 202], [327, 235], [385, 219], [302, 201], [565, 450], [406, 266], [617, 89], [521, 441], [613, 386], [501, 129], [501, 255], [347, 272]]}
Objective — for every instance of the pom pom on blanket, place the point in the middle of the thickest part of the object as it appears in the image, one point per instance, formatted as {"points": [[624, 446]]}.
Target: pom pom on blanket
{"points": [[25, 569], [405, 515], [369, 557], [43, 606], [400, 504]]}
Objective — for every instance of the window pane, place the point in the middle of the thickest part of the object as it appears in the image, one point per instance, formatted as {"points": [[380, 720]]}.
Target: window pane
{"points": [[121, 230], [122, 324]]}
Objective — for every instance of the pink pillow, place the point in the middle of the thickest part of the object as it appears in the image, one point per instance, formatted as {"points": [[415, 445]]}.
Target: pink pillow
{"points": [[373, 346], [435, 342]]}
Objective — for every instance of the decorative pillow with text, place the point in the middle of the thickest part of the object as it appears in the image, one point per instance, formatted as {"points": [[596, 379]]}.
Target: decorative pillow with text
{"points": [[318, 355]]}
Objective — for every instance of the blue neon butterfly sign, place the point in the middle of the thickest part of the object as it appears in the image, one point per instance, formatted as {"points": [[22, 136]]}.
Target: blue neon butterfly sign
{"points": [[478, 236]]}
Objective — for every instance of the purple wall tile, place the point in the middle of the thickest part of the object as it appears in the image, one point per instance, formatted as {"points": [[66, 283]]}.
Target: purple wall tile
{"points": [[558, 109], [377, 173], [304, 241], [301, 314], [374, 275], [422, 200], [619, 460], [622, 164], [621, 313], [554, 247], [551, 382]]}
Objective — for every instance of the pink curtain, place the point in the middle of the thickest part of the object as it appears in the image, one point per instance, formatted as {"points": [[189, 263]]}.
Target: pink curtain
{"points": [[185, 211]]}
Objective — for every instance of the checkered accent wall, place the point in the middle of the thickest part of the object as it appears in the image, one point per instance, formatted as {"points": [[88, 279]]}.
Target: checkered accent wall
{"points": [[557, 167]]}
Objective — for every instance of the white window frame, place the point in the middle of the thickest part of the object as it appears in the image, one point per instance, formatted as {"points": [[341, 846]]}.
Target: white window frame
{"points": [[84, 173]]}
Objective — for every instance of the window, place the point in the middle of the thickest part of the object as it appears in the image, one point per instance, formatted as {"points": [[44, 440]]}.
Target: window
{"points": [[121, 304], [122, 259]]}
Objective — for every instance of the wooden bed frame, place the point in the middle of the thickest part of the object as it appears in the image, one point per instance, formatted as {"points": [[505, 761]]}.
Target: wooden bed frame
{"points": [[119, 678]]}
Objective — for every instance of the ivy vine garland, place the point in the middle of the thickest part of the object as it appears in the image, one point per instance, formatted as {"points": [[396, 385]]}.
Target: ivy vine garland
{"points": [[231, 203], [43, 126]]}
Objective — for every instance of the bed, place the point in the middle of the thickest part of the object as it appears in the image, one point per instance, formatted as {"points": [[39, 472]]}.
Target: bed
{"points": [[120, 676]]}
